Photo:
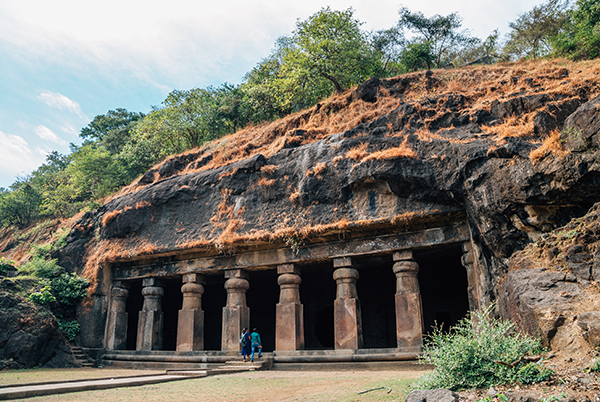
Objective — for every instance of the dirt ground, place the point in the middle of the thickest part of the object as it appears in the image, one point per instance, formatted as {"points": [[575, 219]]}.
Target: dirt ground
{"points": [[262, 386]]}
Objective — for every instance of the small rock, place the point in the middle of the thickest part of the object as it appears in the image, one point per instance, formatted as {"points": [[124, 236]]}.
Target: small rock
{"points": [[432, 395], [492, 392]]}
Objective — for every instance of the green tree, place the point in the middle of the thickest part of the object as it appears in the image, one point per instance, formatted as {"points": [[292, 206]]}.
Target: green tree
{"points": [[440, 32], [111, 129], [53, 183], [389, 44], [326, 53], [20, 205], [580, 37], [417, 56], [531, 34]]}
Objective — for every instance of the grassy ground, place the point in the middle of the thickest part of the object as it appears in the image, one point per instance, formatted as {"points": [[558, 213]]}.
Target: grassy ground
{"points": [[259, 386], [44, 375]]}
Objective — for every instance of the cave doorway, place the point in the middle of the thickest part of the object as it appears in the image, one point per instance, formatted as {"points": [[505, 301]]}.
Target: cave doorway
{"points": [[171, 304], [262, 298], [376, 288], [317, 293], [135, 302], [213, 301], [443, 282]]}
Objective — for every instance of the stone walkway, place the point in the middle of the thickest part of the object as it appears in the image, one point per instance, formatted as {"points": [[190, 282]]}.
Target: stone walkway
{"points": [[52, 388]]}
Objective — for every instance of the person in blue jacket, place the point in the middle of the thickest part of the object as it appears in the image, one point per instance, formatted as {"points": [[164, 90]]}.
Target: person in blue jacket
{"points": [[256, 344], [245, 343]]}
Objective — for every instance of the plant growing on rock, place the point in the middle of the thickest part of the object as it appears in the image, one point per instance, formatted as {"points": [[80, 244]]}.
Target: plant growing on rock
{"points": [[69, 289], [477, 352]]}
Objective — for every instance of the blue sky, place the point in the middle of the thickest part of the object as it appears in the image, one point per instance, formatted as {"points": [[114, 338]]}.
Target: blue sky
{"points": [[62, 62]]}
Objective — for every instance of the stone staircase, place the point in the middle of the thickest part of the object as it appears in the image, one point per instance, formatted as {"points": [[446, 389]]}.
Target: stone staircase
{"points": [[234, 366], [81, 358]]}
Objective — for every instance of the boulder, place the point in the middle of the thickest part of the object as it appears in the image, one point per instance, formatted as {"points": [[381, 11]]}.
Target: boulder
{"points": [[590, 323], [582, 128]]}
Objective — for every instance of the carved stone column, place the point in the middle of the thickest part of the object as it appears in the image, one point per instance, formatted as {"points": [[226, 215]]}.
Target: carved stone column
{"points": [[150, 321], [468, 261], [289, 331], [190, 323], [116, 327], [236, 315], [346, 307], [409, 311]]}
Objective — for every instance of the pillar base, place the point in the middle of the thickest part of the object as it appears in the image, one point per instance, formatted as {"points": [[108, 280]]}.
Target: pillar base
{"points": [[408, 321], [347, 324], [289, 334], [117, 331], [150, 330], [234, 319], [190, 330]]}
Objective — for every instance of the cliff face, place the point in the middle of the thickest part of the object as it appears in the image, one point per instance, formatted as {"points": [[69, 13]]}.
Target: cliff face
{"points": [[480, 145]]}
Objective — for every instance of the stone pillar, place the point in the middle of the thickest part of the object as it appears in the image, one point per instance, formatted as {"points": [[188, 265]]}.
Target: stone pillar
{"points": [[236, 315], [409, 310], [346, 307], [150, 321], [190, 322], [289, 330], [468, 261], [116, 327]]}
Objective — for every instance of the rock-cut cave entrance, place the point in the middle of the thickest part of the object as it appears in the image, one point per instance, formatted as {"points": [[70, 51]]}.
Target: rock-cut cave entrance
{"points": [[443, 282], [317, 293]]}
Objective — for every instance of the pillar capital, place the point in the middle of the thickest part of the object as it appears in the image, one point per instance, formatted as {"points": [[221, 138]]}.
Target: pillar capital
{"points": [[341, 262], [147, 282], [288, 269], [289, 279], [236, 273], [237, 284], [346, 273], [402, 255], [193, 278]]}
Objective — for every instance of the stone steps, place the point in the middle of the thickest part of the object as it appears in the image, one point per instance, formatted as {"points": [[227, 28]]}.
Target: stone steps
{"points": [[81, 358]]}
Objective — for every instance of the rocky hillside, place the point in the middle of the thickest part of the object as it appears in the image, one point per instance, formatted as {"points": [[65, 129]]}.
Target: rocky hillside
{"points": [[513, 149]]}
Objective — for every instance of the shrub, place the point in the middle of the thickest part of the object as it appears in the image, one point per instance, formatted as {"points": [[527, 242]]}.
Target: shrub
{"points": [[69, 328], [5, 265], [465, 357], [41, 268], [44, 296], [594, 366], [532, 373], [69, 288]]}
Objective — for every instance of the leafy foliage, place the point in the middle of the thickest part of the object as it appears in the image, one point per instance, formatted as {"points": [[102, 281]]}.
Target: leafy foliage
{"points": [[531, 33], [465, 357], [43, 296], [5, 265], [70, 328], [579, 38], [69, 289], [41, 268]]}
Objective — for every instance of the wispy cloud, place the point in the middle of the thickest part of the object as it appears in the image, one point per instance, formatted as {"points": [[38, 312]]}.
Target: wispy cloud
{"points": [[17, 157], [58, 100], [46, 134]]}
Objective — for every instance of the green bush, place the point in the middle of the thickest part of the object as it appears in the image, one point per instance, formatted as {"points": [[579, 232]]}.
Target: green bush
{"points": [[41, 268], [69, 288], [532, 373], [69, 328], [594, 366], [44, 296], [465, 357], [4, 265]]}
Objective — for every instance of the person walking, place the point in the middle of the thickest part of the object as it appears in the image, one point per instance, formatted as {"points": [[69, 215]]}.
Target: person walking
{"points": [[245, 343], [256, 344]]}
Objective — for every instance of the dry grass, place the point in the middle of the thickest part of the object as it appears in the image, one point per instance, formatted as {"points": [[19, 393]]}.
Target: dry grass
{"points": [[551, 145], [264, 182], [269, 169], [358, 153], [401, 151], [113, 214], [317, 169], [513, 126]]}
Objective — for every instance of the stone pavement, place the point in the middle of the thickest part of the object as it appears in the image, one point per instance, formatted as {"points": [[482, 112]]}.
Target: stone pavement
{"points": [[52, 388]]}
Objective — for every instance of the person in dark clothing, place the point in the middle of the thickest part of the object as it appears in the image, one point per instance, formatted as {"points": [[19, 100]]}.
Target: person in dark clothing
{"points": [[245, 344], [256, 344]]}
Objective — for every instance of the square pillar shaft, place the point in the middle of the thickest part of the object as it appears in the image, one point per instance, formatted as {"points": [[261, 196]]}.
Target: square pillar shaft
{"points": [[116, 325], [236, 315], [190, 323], [289, 330], [346, 307], [409, 310], [150, 319]]}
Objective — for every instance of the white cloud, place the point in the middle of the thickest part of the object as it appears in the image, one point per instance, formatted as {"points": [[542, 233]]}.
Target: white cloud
{"points": [[46, 134], [58, 100], [17, 157]]}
